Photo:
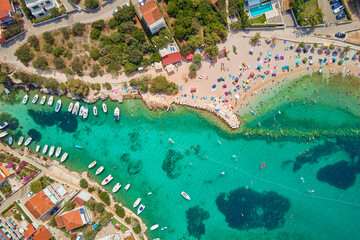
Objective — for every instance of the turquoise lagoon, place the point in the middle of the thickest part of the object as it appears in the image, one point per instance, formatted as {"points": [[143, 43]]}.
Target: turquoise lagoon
{"points": [[247, 201]]}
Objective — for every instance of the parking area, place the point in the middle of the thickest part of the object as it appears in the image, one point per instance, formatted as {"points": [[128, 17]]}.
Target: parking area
{"points": [[329, 16]]}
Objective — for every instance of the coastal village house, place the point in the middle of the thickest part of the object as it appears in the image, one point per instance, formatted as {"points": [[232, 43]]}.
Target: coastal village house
{"points": [[152, 16], [170, 55], [74, 219], [41, 234], [6, 12], [3, 236], [4, 174], [41, 8]]}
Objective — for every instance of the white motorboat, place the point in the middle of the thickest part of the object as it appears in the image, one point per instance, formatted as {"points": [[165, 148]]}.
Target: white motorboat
{"points": [[28, 141], [58, 152], [51, 151], [58, 106], [76, 108], [37, 148], [116, 187], [81, 111], [185, 195], [117, 113], [137, 202], [156, 226], [3, 134], [45, 149], [91, 165], [43, 99], [64, 157], [95, 110], [7, 91], [107, 180], [100, 170], [127, 186], [104, 107], [86, 112], [25, 99], [4, 125], [21, 140], [51, 101], [71, 105], [140, 209], [36, 97], [156, 239]]}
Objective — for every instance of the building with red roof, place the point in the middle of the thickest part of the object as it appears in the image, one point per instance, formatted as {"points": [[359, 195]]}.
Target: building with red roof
{"points": [[42, 234], [3, 235], [171, 58], [73, 219], [152, 16], [29, 231], [6, 10]]}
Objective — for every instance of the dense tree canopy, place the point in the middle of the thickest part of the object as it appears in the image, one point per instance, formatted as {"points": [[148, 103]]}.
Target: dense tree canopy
{"points": [[78, 87], [24, 54]]}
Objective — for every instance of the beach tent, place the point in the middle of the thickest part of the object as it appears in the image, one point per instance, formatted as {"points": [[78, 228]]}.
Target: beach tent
{"points": [[170, 68], [333, 60], [158, 66], [205, 97], [305, 60], [297, 62], [212, 98], [236, 79], [236, 97], [311, 62], [259, 66]]}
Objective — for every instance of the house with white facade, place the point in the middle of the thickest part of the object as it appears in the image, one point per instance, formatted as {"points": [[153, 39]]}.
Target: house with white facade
{"points": [[152, 16], [41, 8]]}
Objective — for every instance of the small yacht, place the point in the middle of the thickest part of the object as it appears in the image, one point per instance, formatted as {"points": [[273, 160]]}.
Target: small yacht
{"points": [[137, 202], [7, 91], [58, 152], [37, 148], [43, 99], [104, 107], [95, 110], [81, 111], [117, 114], [10, 141], [51, 151], [86, 112], [21, 140], [4, 125], [107, 180], [156, 226], [64, 157], [51, 101], [185, 195], [3, 134], [36, 97], [116, 187], [140, 209], [58, 106], [71, 105], [75, 110], [28, 141], [25, 99], [91, 165], [45, 149], [100, 170], [127, 186]]}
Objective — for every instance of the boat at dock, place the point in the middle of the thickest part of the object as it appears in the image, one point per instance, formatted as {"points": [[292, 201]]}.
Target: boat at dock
{"points": [[21, 140], [116, 187], [38, 148], [58, 152], [100, 170], [3, 134], [36, 97], [28, 141], [127, 186], [45, 149], [71, 105], [64, 157], [107, 180], [51, 101], [58, 106], [140, 209], [10, 141], [137, 202], [7, 91], [81, 111], [95, 110], [86, 112], [25, 99], [4, 125], [91, 165], [104, 107], [117, 114], [43, 99], [185, 195], [76, 107], [156, 226], [51, 151]]}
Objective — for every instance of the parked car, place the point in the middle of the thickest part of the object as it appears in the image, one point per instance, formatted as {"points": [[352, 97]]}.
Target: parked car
{"points": [[30, 194], [336, 5], [115, 11], [338, 10], [340, 35], [341, 16], [79, 236], [333, 2], [19, 12], [141, 2]]}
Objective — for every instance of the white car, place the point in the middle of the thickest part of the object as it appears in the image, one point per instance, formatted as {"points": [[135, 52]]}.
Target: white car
{"points": [[141, 2], [30, 194], [339, 9], [79, 236]]}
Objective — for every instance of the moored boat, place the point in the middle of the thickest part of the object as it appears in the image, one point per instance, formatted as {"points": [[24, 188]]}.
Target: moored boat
{"points": [[58, 106], [100, 170], [104, 107], [117, 113], [45, 149], [28, 141], [7, 91], [75, 110], [36, 97], [51, 101], [4, 125], [10, 141], [43, 99], [58, 152], [64, 157], [37, 148], [164, 228], [107, 180], [51, 151], [21, 140], [116, 187], [3, 134], [81, 111], [137, 202], [127, 186], [71, 105], [185, 195], [91, 165], [25, 99], [95, 110], [156, 226], [140, 209], [86, 112]]}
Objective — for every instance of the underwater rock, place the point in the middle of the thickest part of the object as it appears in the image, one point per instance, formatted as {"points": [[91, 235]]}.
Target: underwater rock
{"points": [[67, 122], [196, 149], [135, 167], [246, 209], [195, 217], [340, 175], [135, 139], [171, 164], [125, 157], [36, 136]]}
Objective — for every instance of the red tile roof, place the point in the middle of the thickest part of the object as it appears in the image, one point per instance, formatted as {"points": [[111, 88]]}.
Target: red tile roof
{"points": [[42, 234], [70, 220], [213, 1], [171, 58], [5, 171], [79, 201], [39, 204], [5, 7], [3, 234], [29, 230], [150, 11]]}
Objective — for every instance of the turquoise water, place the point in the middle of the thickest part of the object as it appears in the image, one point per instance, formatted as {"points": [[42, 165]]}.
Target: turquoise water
{"points": [[246, 202], [257, 11]]}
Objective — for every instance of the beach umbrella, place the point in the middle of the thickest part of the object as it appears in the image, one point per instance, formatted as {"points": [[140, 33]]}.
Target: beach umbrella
{"points": [[212, 98], [247, 81], [226, 99], [251, 50], [252, 74], [297, 62], [243, 85], [333, 60], [237, 79], [217, 108], [277, 55], [272, 45], [305, 60], [311, 62], [224, 86], [205, 97], [223, 99], [346, 58], [352, 54], [236, 96], [214, 86], [259, 66]]}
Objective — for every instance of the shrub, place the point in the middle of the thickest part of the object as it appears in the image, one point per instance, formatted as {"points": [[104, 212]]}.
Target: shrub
{"points": [[197, 58], [95, 34], [119, 211], [67, 71], [62, 86], [112, 23], [36, 186], [83, 183], [34, 42], [104, 196], [75, 1], [155, 57], [59, 63], [95, 54], [47, 48], [90, 234], [13, 31], [78, 29], [70, 44], [24, 54], [99, 207], [113, 67], [160, 83], [193, 68], [65, 33], [54, 12], [58, 51], [99, 24], [17, 217], [4, 78], [48, 37], [137, 228], [128, 220], [40, 63], [69, 205], [76, 65], [91, 4], [78, 87], [107, 86], [129, 68], [141, 83]]}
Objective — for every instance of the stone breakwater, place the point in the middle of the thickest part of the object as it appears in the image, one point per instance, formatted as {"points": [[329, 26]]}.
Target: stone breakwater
{"points": [[223, 111]]}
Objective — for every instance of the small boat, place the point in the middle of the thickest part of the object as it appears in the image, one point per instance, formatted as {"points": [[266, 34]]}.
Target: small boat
{"points": [[45, 149], [37, 148], [104, 107], [77, 146], [36, 97], [43, 99], [185, 195], [71, 105], [95, 110], [117, 113], [107, 180], [58, 152], [7, 91], [28, 141], [263, 164], [4, 125], [58, 106], [75, 110], [127, 186], [64, 157], [51, 101], [156, 239], [21, 140], [149, 193], [10, 141], [51, 151], [81, 111], [140, 209], [91, 165], [86, 112], [156, 226], [116, 187], [170, 140], [100, 170], [137, 202], [164, 228], [25, 99], [4, 134]]}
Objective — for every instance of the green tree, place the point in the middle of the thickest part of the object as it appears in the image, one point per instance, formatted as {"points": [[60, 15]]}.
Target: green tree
{"points": [[316, 45], [59, 63], [40, 63], [54, 12], [4, 78], [112, 23], [67, 71], [129, 68], [155, 57], [62, 86], [119, 211], [69, 205], [99, 24], [83, 183], [115, 37], [193, 68], [57, 51], [91, 4], [212, 51], [36, 186], [65, 32], [89, 235], [197, 58], [104, 196], [47, 48], [48, 38], [95, 34], [77, 87], [70, 44], [255, 38], [34, 42], [99, 207], [76, 65], [13, 30], [137, 227], [24, 54], [302, 45], [128, 220], [346, 49], [331, 47], [95, 54], [107, 86], [78, 29]]}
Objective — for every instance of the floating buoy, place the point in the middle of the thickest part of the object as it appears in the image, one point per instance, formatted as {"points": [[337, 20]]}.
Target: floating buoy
{"points": [[263, 165]]}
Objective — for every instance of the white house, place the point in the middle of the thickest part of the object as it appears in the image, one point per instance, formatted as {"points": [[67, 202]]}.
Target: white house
{"points": [[152, 16], [41, 8]]}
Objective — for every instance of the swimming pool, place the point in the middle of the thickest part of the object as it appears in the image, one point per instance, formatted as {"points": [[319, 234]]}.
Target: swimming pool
{"points": [[257, 11]]}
